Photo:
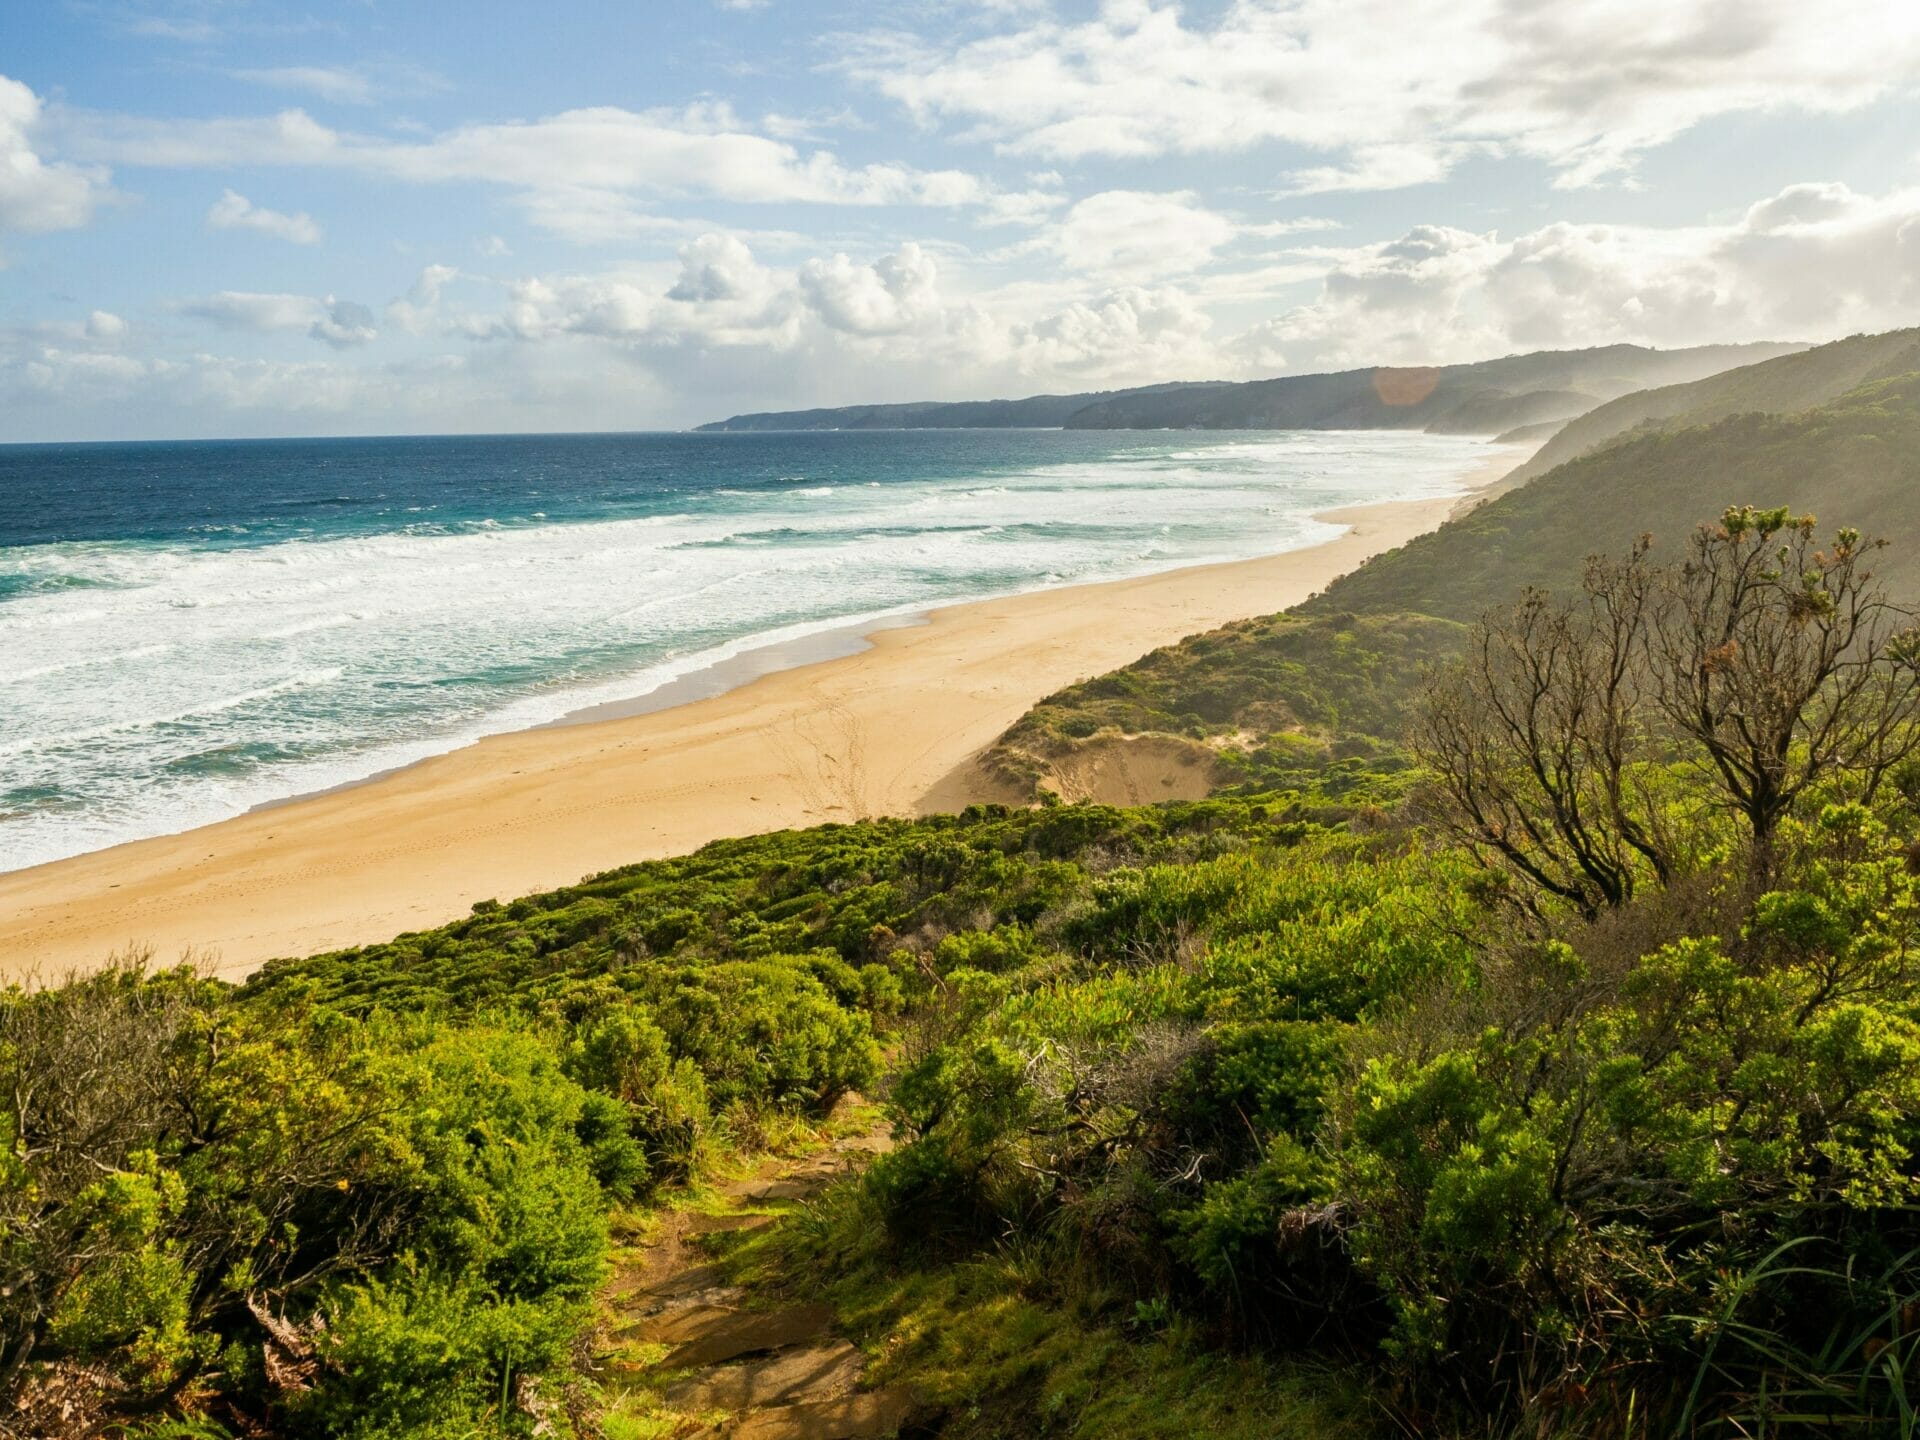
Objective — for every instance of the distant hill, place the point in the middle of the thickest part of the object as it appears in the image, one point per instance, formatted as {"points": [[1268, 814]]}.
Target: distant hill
{"points": [[1854, 461], [1036, 411], [1486, 397], [1777, 387], [1483, 398]]}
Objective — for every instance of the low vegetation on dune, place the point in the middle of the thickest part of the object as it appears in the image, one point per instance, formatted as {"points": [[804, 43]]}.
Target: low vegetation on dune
{"points": [[1523, 1039], [1281, 702]]}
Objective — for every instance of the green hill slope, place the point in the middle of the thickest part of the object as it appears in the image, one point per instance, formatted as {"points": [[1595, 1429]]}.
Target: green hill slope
{"points": [[1855, 461], [1780, 386], [1485, 397]]}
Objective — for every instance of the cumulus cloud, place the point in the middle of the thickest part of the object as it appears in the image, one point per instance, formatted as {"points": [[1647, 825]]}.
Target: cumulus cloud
{"points": [[1130, 333], [1395, 94], [719, 267], [418, 310], [894, 293], [1811, 261], [37, 194], [341, 324], [105, 326], [233, 211]]}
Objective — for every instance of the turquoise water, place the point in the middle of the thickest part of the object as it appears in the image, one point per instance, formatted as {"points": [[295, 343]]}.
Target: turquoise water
{"points": [[189, 630]]}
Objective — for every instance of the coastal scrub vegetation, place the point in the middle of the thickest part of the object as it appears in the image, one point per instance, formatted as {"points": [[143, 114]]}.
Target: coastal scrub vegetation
{"points": [[1283, 702]]}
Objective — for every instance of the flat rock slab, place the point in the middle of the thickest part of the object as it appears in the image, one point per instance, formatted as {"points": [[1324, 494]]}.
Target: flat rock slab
{"points": [[676, 1327], [852, 1417], [656, 1291], [664, 1307], [734, 1333], [805, 1372], [788, 1187], [721, 1224]]}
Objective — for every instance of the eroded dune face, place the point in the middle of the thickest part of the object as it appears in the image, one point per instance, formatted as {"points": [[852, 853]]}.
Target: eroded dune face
{"points": [[1133, 770]]}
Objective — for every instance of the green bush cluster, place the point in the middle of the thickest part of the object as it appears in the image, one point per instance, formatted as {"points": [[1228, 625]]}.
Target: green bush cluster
{"points": [[254, 1215]]}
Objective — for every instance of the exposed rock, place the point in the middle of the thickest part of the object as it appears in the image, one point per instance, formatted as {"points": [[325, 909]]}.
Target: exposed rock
{"points": [[808, 1372], [677, 1326], [853, 1417], [704, 1281], [743, 1332]]}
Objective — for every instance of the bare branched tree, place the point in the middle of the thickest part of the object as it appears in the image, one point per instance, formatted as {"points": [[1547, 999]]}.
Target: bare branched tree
{"points": [[1784, 663], [1764, 662], [1536, 741]]}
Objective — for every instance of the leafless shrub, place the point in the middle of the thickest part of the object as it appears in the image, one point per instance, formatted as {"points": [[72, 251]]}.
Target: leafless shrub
{"points": [[1762, 665]]}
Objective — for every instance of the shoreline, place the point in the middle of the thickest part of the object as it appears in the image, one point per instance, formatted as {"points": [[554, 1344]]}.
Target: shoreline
{"points": [[880, 717]]}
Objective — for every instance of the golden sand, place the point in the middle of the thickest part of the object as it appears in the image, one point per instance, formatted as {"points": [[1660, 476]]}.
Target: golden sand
{"points": [[888, 731]]}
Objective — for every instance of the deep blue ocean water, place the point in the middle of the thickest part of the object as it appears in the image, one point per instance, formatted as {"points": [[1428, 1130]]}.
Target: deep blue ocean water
{"points": [[190, 629]]}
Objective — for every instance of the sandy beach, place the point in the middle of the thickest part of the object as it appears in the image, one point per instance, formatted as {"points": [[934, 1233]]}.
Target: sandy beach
{"points": [[887, 731]]}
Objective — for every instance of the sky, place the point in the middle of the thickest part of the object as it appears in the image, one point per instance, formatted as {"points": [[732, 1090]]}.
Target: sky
{"points": [[249, 217]]}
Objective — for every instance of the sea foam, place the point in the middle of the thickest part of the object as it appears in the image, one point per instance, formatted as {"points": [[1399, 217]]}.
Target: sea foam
{"points": [[177, 677]]}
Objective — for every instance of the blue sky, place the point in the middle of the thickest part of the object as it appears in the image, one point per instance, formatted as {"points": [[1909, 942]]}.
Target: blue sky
{"points": [[240, 217]]}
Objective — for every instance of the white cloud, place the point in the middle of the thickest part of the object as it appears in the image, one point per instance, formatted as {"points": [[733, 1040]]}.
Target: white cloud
{"points": [[1809, 262], [1131, 334], [1138, 233], [252, 310], [343, 87], [1396, 93], [36, 194], [418, 311], [105, 326], [894, 293], [591, 174], [348, 85], [1813, 261], [341, 324], [233, 211], [720, 267]]}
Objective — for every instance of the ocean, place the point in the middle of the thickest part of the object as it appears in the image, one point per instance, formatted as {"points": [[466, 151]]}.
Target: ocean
{"points": [[192, 629]]}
